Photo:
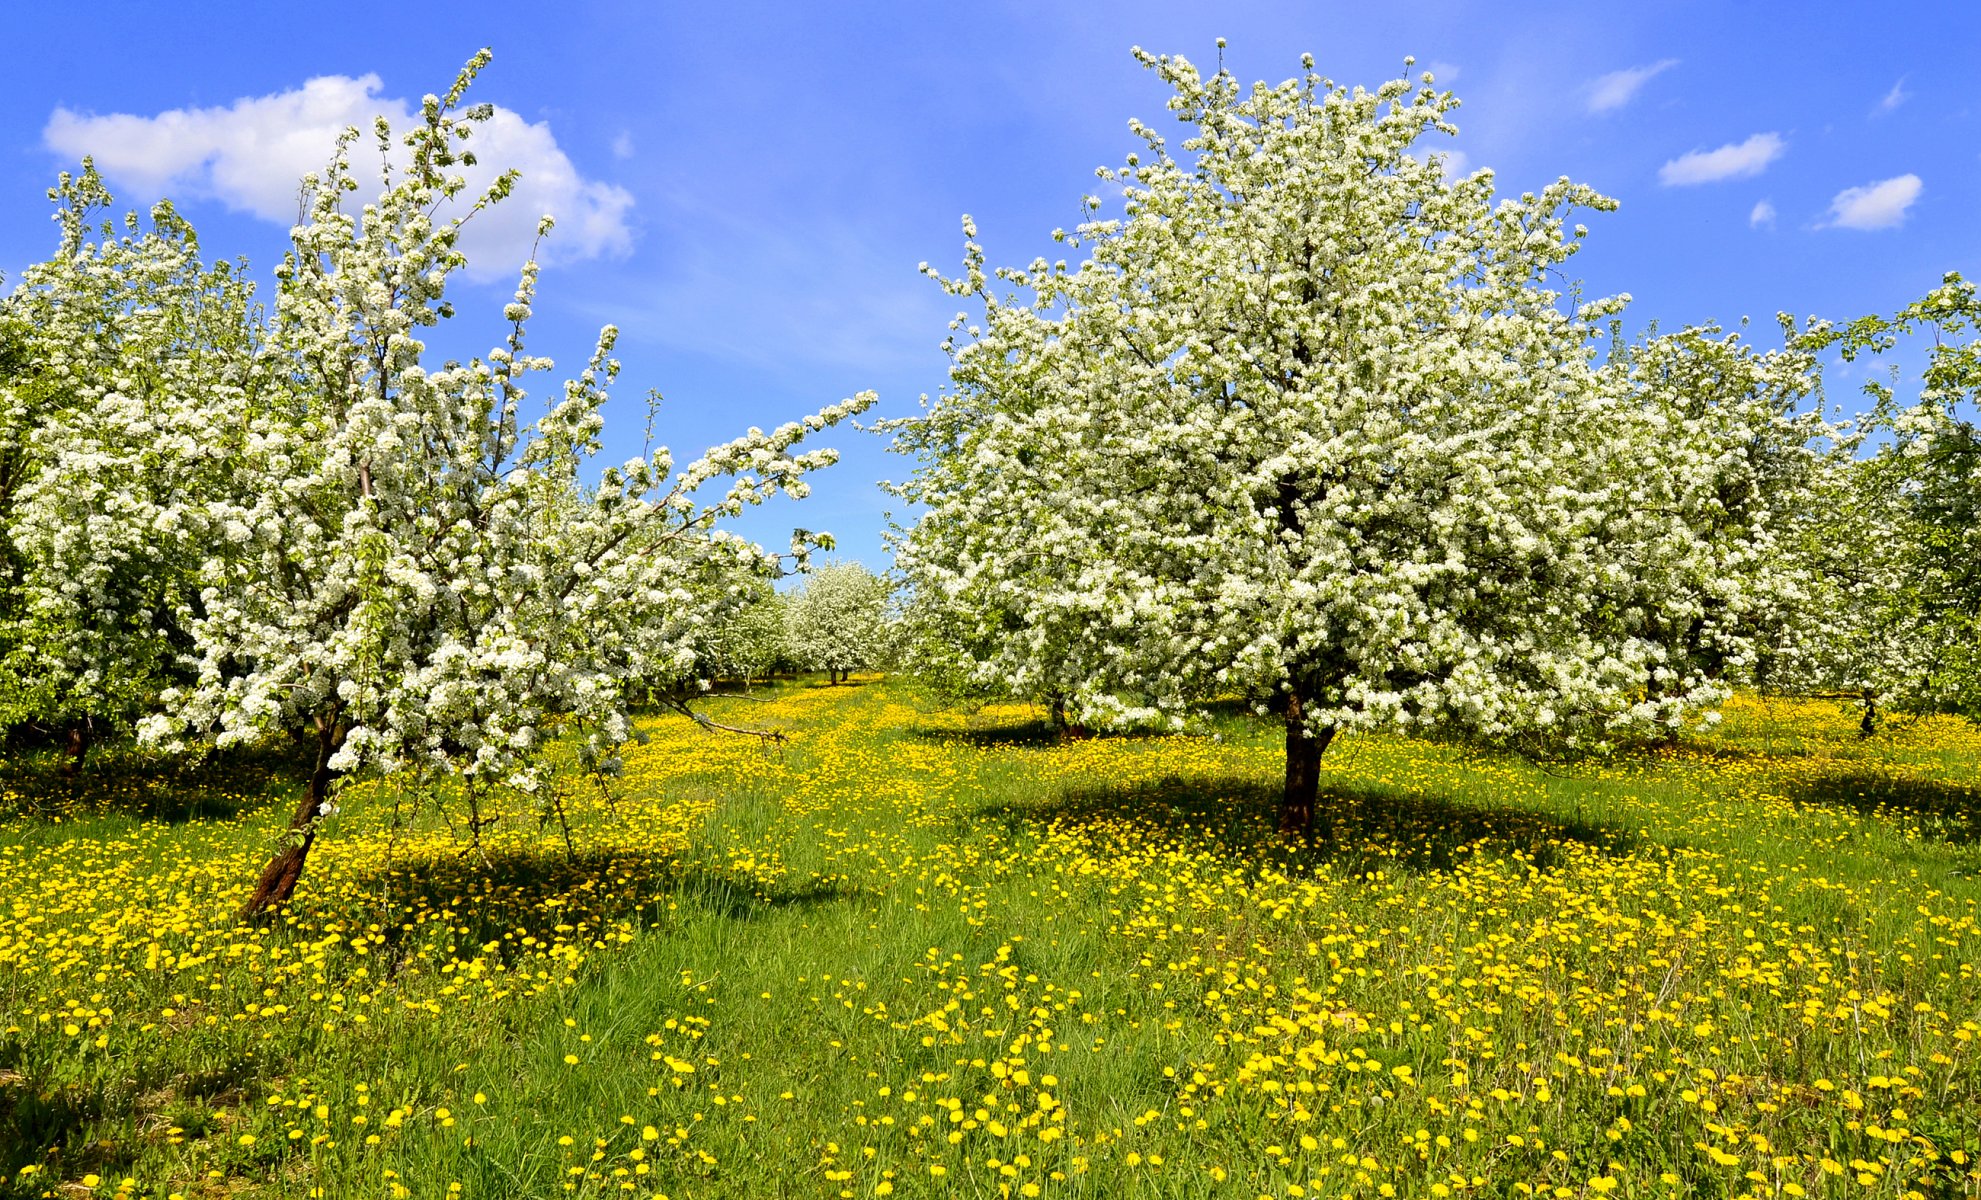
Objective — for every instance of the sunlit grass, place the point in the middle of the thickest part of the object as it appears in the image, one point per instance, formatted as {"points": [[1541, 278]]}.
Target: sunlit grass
{"points": [[924, 953]]}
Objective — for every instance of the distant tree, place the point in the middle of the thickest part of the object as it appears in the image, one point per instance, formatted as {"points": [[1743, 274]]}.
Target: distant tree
{"points": [[1859, 627], [1899, 576], [837, 620], [413, 576], [1310, 423], [749, 642], [1742, 460]]}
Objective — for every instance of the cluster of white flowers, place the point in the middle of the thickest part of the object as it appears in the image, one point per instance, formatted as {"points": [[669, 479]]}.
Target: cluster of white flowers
{"points": [[124, 356], [1308, 423]]}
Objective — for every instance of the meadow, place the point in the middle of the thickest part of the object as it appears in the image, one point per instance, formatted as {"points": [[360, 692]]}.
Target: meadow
{"points": [[917, 952]]}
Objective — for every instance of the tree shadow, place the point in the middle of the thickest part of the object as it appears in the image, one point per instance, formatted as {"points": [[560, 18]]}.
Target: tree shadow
{"points": [[46, 1126], [1026, 735], [121, 780], [1356, 828], [1943, 811], [497, 901], [1029, 735]]}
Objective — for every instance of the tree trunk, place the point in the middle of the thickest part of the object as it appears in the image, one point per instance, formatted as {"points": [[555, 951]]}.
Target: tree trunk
{"points": [[278, 879], [1869, 725], [1303, 771], [1056, 706], [77, 748]]}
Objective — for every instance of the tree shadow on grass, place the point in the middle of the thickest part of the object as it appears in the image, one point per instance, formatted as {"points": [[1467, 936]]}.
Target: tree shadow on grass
{"points": [[1935, 809], [1356, 828], [496, 903], [1027, 735], [120, 780], [43, 1125]]}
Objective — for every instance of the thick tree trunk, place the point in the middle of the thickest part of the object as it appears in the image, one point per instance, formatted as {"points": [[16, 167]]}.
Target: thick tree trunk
{"points": [[1303, 771], [278, 879], [1869, 725]]}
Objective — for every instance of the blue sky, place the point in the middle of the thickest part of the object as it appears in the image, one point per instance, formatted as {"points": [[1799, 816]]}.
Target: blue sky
{"points": [[746, 188]]}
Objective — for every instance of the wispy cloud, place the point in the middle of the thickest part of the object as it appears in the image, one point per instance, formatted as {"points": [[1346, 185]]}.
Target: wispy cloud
{"points": [[251, 155], [622, 146], [1735, 160], [1618, 88], [1762, 216], [1880, 205], [1897, 96]]}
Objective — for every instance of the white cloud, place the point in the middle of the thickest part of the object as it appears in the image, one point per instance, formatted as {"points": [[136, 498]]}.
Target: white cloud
{"points": [[1618, 88], [1735, 160], [622, 146], [1762, 216], [251, 154], [1897, 96], [1445, 73], [1880, 205]]}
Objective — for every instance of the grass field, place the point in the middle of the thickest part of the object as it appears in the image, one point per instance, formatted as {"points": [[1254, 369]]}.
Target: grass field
{"points": [[921, 953]]}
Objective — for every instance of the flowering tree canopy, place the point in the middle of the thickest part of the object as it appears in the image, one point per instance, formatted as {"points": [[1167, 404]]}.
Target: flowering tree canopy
{"points": [[406, 567], [1311, 423], [129, 363], [837, 620]]}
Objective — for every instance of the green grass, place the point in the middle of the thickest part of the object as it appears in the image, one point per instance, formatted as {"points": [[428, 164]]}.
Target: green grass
{"points": [[1501, 977]]}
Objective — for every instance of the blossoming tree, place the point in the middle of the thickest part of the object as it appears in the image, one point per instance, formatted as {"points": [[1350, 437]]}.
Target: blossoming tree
{"points": [[128, 360], [1895, 613], [836, 621], [1740, 463], [748, 643], [1310, 422], [413, 574]]}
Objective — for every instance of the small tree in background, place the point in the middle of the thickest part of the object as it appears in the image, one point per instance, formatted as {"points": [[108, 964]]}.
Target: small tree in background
{"points": [[1860, 627], [1741, 461], [1894, 613], [749, 643], [837, 620]]}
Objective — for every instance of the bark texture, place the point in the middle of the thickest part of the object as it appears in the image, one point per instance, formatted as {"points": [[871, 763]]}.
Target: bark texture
{"points": [[279, 878], [1304, 748]]}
